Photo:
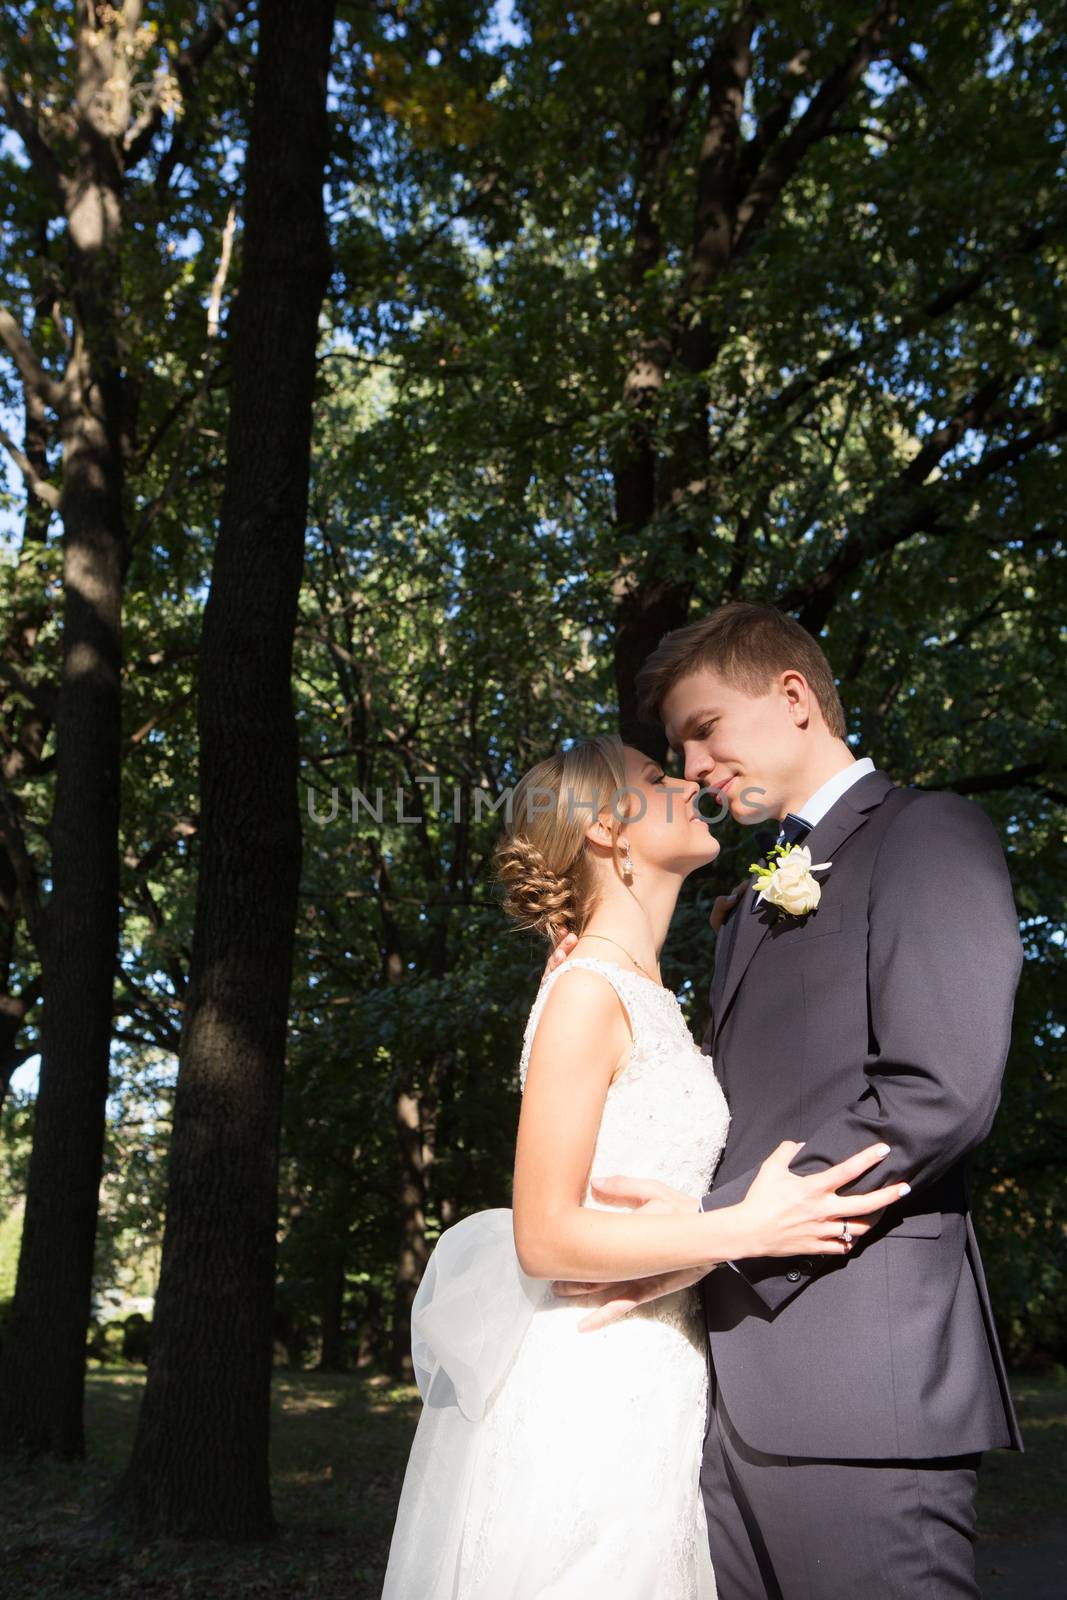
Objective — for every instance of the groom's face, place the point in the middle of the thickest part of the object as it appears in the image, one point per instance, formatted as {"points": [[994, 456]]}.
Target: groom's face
{"points": [[743, 747]]}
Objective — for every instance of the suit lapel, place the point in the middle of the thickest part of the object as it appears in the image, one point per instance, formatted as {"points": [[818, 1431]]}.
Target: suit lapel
{"points": [[724, 949], [827, 836]]}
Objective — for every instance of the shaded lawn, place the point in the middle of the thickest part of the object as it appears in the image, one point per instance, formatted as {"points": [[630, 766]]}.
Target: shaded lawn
{"points": [[339, 1450], [340, 1445]]}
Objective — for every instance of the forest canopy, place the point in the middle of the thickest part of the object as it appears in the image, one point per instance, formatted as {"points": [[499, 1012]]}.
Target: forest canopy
{"points": [[630, 309]]}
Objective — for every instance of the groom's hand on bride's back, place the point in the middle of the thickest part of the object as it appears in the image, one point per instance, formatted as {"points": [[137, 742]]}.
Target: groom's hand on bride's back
{"points": [[614, 1300], [560, 954]]}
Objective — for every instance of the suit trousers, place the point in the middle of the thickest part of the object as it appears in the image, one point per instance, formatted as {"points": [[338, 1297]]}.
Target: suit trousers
{"points": [[800, 1528]]}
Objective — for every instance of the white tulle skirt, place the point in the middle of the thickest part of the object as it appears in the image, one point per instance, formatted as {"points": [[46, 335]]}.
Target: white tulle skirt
{"points": [[548, 1462]]}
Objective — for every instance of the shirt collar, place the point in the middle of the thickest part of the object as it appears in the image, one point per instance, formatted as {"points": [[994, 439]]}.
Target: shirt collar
{"points": [[831, 791]]}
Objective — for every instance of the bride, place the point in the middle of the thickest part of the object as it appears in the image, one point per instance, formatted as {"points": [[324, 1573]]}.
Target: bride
{"points": [[549, 1462]]}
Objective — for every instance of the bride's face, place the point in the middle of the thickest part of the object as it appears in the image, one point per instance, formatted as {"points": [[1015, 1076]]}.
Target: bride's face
{"points": [[664, 827]]}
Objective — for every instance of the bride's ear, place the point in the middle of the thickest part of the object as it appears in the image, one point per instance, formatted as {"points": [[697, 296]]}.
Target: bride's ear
{"points": [[599, 832]]}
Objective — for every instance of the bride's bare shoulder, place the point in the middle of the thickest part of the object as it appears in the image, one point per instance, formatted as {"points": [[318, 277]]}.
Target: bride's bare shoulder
{"points": [[582, 1017]]}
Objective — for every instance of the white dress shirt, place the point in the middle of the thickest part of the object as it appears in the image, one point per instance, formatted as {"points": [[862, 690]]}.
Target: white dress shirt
{"points": [[831, 791]]}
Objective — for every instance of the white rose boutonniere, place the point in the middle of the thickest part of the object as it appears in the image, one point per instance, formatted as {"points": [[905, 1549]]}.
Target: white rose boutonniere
{"points": [[788, 882]]}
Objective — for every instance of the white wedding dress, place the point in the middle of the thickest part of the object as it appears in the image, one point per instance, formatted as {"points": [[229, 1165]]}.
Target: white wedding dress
{"points": [[550, 1464]]}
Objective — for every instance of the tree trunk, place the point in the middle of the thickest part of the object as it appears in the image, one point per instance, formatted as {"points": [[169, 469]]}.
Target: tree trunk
{"points": [[332, 1349], [664, 499], [200, 1457], [646, 604], [415, 1158], [42, 1371]]}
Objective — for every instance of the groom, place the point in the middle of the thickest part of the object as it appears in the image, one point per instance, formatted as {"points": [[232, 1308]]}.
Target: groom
{"points": [[850, 1396]]}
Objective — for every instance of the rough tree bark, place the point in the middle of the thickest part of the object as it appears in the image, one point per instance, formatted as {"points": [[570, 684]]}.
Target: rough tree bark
{"points": [[200, 1457]]}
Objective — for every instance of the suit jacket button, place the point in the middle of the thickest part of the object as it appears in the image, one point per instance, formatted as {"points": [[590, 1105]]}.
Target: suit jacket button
{"points": [[793, 1275]]}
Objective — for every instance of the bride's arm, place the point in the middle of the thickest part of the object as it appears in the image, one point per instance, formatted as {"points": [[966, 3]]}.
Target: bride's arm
{"points": [[581, 1038]]}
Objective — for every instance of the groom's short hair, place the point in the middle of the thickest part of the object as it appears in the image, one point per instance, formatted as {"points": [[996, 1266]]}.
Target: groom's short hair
{"points": [[747, 645]]}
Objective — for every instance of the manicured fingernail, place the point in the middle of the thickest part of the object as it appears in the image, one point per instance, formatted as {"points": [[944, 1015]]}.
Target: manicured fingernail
{"points": [[905, 1188], [881, 1150]]}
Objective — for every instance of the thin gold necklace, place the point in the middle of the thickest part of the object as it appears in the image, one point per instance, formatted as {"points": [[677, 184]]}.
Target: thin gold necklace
{"points": [[625, 952]]}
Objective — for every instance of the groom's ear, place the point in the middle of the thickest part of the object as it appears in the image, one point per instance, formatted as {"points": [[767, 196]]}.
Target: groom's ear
{"points": [[797, 691]]}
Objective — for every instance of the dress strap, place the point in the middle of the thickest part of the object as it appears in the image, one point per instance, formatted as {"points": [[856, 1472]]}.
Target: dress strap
{"points": [[626, 985]]}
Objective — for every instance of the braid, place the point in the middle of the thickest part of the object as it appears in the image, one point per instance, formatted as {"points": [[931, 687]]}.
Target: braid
{"points": [[550, 879], [535, 896]]}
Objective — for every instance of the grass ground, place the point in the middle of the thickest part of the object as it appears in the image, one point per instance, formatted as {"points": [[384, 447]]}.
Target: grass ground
{"points": [[340, 1446]]}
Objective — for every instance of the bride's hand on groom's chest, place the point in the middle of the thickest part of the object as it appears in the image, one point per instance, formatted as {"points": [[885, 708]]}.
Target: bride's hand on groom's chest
{"points": [[725, 904]]}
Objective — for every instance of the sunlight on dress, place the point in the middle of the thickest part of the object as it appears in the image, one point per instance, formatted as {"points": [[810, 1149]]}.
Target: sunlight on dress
{"points": [[552, 1463]]}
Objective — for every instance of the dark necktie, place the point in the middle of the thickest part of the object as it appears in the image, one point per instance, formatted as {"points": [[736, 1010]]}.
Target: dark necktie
{"points": [[794, 830]]}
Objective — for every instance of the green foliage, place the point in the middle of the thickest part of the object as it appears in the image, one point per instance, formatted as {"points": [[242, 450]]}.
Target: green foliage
{"points": [[884, 404]]}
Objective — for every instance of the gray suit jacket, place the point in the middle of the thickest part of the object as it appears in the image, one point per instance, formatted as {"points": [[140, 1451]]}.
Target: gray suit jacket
{"points": [[885, 1015]]}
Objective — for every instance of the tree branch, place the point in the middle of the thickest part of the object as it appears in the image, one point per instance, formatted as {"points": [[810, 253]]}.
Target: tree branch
{"points": [[28, 362], [987, 782], [917, 511], [141, 733], [1006, 455], [44, 698], [696, 81], [911, 320], [912, 73], [44, 491], [797, 75], [15, 1006], [942, 439], [23, 121], [713, 218], [966, 630], [187, 66], [1049, 791], [788, 151], [13, 839], [183, 827], [166, 1031], [175, 477], [658, 132]]}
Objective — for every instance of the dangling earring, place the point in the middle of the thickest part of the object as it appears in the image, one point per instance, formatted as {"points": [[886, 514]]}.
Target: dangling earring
{"points": [[627, 859]]}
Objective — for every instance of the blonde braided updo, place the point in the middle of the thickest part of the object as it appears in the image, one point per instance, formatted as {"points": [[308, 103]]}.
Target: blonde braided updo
{"points": [[542, 859]]}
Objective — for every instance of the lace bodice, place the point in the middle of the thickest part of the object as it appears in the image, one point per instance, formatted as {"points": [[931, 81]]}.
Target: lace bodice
{"points": [[665, 1114]]}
